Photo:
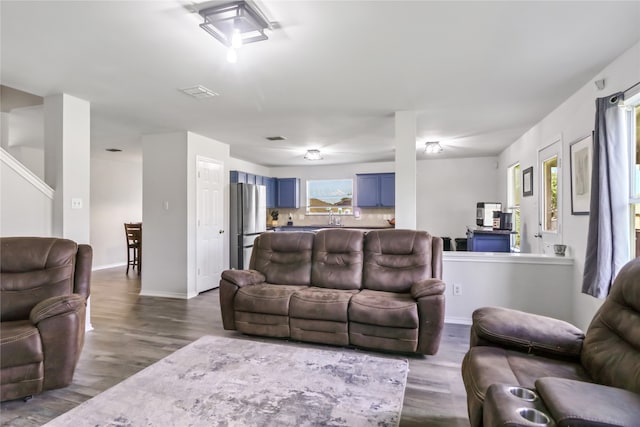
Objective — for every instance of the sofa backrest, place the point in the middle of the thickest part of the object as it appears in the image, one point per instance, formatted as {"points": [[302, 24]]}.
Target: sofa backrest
{"points": [[337, 259], [611, 348], [33, 269], [283, 257], [395, 259]]}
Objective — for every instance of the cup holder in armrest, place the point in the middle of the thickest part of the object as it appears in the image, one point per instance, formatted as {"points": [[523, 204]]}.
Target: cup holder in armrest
{"points": [[523, 393], [535, 416]]}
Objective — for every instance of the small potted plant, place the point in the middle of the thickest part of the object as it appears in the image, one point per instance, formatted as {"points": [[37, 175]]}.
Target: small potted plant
{"points": [[274, 218]]}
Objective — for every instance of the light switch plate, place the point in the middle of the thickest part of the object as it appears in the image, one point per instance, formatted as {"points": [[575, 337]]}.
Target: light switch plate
{"points": [[76, 203]]}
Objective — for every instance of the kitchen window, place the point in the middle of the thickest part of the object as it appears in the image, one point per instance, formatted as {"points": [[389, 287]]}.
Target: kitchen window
{"points": [[330, 196]]}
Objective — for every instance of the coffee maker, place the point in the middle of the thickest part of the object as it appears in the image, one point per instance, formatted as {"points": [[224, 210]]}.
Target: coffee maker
{"points": [[484, 213]]}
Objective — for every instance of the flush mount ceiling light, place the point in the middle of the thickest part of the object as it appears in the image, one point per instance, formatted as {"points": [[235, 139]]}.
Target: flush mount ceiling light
{"points": [[199, 92], [235, 24], [433, 147], [313, 155]]}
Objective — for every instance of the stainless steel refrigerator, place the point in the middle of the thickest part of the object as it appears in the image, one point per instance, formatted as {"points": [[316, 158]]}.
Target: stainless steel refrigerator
{"points": [[248, 220]]}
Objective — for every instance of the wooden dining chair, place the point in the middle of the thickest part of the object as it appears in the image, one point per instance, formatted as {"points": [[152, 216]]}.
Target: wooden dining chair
{"points": [[133, 232]]}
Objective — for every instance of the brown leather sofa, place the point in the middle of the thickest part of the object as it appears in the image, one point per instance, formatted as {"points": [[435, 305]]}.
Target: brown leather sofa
{"points": [[523, 367], [44, 286], [380, 290]]}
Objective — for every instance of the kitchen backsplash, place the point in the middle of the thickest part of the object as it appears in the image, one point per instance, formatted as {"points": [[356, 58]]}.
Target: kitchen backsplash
{"points": [[376, 217]]}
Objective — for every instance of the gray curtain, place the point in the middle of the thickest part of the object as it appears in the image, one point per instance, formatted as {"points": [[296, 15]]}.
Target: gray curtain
{"points": [[608, 238]]}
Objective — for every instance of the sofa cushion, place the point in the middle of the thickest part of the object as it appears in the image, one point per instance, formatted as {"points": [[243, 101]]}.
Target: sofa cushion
{"points": [[384, 309], [265, 298], [20, 344], [337, 259], [610, 351], [321, 304], [396, 259], [576, 403], [484, 366], [34, 269], [283, 258], [383, 337]]}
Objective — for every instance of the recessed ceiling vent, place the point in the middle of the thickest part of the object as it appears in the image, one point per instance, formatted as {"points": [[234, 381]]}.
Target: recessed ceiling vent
{"points": [[199, 92], [276, 138]]}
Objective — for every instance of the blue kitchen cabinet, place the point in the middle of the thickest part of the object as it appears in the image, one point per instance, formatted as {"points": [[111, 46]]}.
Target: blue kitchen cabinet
{"points": [[489, 241], [237, 177], [251, 179], [376, 190], [272, 192], [288, 190], [260, 180]]}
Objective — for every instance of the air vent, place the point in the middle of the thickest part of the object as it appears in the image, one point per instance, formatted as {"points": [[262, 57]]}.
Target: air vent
{"points": [[199, 92], [276, 138], [113, 150]]}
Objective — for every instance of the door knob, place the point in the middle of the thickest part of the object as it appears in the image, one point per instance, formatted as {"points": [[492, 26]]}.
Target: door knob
{"points": [[220, 231], [538, 235]]}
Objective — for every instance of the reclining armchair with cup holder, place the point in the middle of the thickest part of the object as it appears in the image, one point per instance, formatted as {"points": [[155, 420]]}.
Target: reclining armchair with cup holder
{"points": [[44, 286], [529, 370]]}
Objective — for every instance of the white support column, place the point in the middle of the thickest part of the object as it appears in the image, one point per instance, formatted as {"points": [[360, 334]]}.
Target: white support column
{"points": [[406, 214], [67, 164]]}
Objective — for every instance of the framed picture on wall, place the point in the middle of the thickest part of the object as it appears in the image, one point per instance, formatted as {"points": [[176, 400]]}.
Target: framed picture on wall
{"points": [[580, 156], [527, 182]]}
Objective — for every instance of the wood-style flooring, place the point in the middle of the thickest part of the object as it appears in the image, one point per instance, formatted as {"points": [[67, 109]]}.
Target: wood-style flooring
{"points": [[132, 331]]}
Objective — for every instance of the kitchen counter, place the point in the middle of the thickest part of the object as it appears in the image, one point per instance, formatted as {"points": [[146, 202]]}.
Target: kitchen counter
{"points": [[320, 227]]}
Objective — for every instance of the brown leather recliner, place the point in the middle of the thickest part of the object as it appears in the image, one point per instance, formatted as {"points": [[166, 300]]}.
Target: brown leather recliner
{"points": [[44, 286], [576, 380], [381, 289]]}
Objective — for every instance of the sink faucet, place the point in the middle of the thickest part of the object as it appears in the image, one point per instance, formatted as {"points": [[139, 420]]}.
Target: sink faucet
{"points": [[331, 220]]}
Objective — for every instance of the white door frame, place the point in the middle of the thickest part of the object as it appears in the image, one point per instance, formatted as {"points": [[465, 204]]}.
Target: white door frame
{"points": [[546, 239]]}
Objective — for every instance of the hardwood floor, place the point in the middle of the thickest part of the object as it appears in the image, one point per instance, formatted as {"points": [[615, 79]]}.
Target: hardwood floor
{"points": [[132, 331]]}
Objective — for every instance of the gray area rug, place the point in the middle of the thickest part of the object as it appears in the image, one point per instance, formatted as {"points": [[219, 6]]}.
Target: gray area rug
{"points": [[217, 381]]}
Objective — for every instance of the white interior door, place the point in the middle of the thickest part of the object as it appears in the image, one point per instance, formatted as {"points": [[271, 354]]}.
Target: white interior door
{"points": [[549, 197], [209, 224]]}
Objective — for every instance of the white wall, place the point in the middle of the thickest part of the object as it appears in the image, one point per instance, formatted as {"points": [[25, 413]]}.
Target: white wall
{"points": [[539, 284], [26, 202], [572, 120], [447, 190], [164, 183], [116, 198], [169, 210]]}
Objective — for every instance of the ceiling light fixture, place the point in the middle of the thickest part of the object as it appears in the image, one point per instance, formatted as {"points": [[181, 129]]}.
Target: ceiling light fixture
{"points": [[313, 155], [234, 25], [433, 147]]}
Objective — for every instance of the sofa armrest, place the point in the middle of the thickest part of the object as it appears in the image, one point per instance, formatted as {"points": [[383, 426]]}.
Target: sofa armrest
{"points": [[585, 404], [526, 332], [61, 322], [56, 306], [242, 278], [428, 287]]}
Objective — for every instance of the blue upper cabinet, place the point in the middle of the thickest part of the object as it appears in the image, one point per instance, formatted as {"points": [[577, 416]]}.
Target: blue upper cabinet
{"points": [[376, 190], [272, 192], [236, 177], [288, 193]]}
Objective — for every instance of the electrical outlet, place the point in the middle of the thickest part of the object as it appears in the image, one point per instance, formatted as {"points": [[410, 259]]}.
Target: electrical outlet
{"points": [[457, 289]]}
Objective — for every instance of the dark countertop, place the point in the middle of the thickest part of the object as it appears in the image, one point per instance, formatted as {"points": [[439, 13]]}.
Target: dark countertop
{"points": [[319, 227], [491, 231]]}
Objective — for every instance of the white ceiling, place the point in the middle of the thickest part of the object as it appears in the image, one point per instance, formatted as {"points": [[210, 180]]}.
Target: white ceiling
{"points": [[478, 74]]}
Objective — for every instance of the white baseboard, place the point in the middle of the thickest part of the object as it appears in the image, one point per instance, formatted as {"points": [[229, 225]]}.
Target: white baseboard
{"points": [[458, 320], [161, 294], [104, 267]]}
